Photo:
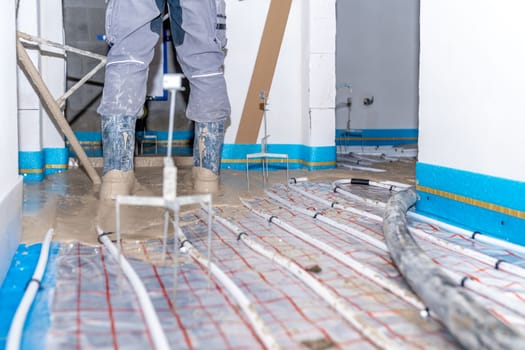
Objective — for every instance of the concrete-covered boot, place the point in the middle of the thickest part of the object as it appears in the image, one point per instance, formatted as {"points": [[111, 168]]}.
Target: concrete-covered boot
{"points": [[117, 182], [207, 148], [118, 144]]}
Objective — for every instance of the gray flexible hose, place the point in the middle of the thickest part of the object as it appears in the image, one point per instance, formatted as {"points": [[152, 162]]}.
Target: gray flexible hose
{"points": [[472, 325]]}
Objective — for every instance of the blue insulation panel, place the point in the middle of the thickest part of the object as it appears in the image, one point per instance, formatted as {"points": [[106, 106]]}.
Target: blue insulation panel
{"points": [[12, 291], [483, 203]]}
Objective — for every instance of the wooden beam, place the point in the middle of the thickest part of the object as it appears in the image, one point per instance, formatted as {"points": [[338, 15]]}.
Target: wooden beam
{"points": [[51, 106], [264, 70]]}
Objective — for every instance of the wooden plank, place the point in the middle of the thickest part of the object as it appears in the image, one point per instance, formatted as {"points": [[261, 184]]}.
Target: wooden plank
{"points": [[264, 70], [49, 103]]}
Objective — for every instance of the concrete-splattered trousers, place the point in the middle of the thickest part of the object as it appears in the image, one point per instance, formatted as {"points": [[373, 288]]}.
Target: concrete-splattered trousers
{"points": [[132, 31]]}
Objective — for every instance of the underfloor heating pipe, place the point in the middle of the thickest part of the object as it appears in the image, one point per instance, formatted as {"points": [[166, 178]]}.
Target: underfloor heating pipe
{"points": [[373, 202], [356, 161], [495, 263], [472, 325], [390, 185], [369, 331], [244, 303], [152, 320], [346, 260], [14, 336], [362, 168], [510, 301], [474, 235], [319, 216], [365, 158]]}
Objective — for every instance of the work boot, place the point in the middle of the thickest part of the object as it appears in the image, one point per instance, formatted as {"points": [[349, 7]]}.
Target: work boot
{"points": [[118, 144], [115, 183], [207, 148]]}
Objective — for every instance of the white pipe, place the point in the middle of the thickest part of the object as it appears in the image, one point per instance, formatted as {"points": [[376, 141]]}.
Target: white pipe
{"points": [[152, 320], [294, 180], [362, 157], [477, 287], [334, 205], [346, 260], [372, 202], [244, 303], [472, 235], [316, 215], [493, 262], [466, 319], [390, 185], [362, 168], [339, 304], [14, 336], [496, 264]]}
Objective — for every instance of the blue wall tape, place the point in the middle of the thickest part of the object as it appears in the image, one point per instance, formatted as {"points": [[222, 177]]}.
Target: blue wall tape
{"points": [[483, 203], [35, 166], [94, 138], [233, 155], [55, 160], [31, 165], [375, 137], [299, 156]]}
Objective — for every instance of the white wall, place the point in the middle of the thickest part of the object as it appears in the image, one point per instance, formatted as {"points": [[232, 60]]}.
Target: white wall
{"points": [[30, 124], [472, 86], [321, 34], [297, 115], [245, 25], [41, 143], [52, 66], [10, 181], [377, 54]]}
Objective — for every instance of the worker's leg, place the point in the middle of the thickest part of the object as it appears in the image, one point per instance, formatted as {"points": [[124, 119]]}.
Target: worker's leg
{"points": [[207, 148], [198, 29], [132, 42]]}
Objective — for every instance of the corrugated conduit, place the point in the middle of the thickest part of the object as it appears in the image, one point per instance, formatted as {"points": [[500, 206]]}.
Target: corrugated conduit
{"points": [[511, 302], [472, 325]]}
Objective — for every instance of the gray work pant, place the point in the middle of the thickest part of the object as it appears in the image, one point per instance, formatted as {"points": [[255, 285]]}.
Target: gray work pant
{"points": [[132, 30]]}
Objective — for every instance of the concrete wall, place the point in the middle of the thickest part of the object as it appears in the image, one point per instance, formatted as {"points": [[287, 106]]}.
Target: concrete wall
{"points": [[471, 168], [10, 181], [377, 55]]}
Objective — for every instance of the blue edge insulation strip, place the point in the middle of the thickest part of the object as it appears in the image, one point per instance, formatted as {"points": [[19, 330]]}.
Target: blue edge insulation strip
{"points": [[35, 166], [12, 291], [477, 202]]}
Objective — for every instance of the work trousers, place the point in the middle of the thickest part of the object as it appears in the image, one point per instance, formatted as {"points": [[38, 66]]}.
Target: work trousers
{"points": [[198, 31]]}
